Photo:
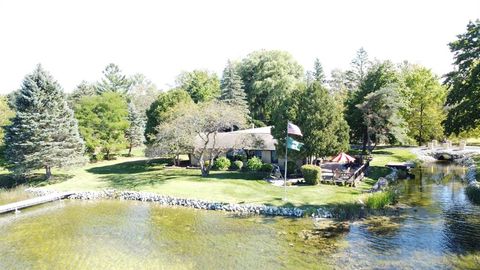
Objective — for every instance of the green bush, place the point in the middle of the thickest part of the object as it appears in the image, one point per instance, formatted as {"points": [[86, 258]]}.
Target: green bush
{"points": [[222, 163], [237, 165], [206, 163], [312, 174], [379, 200], [473, 193], [254, 164], [291, 167], [267, 167]]}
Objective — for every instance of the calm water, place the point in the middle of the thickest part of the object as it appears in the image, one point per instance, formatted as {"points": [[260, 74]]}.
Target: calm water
{"points": [[441, 231]]}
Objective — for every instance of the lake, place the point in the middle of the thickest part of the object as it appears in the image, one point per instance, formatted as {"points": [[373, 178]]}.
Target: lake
{"points": [[439, 230]]}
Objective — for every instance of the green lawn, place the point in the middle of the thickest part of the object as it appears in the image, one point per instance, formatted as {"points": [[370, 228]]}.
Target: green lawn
{"points": [[137, 173]]}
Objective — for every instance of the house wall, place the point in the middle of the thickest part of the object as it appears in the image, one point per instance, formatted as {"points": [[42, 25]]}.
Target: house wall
{"points": [[267, 156]]}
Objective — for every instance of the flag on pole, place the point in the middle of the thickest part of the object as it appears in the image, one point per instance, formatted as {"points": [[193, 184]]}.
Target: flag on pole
{"points": [[292, 144], [294, 129]]}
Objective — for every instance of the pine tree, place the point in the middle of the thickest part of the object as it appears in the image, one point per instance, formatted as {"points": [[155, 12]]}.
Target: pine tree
{"points": [[114, 81], [135, 132], [318, 74], [44, 132], [84, 89], [232, 87]]}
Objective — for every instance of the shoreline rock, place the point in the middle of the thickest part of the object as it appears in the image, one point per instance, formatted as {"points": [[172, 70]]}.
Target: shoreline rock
{"points": [[243, 209]]}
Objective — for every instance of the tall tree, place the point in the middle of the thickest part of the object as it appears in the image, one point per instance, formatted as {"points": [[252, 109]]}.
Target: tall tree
{"points": [[84, 89], [268, 76], [113, 81], [359, 68], [201, 85], [162, 109], [233, 92], [135, 132], [380, 111], [464, 82], [44, 132], [425, 97], [318, 73], [378, 76], [142, 93], [103, 121], [325, 131]]}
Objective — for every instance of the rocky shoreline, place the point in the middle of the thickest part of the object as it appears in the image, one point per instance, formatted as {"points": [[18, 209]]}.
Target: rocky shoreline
{"points": [[241, 209]]}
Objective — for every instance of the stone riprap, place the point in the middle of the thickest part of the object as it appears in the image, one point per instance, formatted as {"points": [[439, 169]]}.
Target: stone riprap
{"points": [[242, 209]]}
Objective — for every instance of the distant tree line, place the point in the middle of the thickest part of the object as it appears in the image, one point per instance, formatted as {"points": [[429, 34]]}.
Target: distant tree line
{"points": [[373, 102]]}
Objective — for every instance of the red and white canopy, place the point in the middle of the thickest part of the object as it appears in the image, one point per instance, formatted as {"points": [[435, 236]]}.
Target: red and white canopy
{"points": [[343, 158]]}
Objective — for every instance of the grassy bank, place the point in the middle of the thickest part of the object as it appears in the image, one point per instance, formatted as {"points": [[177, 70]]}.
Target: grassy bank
{"points": [[139, 174]]}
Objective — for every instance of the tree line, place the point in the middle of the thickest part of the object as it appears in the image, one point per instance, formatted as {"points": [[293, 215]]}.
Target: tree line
{"points": [[371, 103]]}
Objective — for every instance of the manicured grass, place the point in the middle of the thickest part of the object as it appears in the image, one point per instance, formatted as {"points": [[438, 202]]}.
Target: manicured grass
{"points": [[140, 174], [382, 156]]}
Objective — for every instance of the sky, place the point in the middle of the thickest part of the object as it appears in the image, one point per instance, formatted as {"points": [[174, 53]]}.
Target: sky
{"points": [[75, 40]]}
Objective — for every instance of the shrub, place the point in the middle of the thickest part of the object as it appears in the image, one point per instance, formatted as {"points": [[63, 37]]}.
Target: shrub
{"points": [[291, 167], [267, 167], [222, 163], [312, 174], [237, 165], [379, 200], [206, 163], [254, 164], [473, 193]]}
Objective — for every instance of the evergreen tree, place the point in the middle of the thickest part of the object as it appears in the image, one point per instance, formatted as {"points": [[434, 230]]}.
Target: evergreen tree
{"points": [[135, 132], [318, 74], [381, 117], [360, 66], [44, 132], [233, 92], [113, 81], [378, 76], [84, 89], [325, 131]]}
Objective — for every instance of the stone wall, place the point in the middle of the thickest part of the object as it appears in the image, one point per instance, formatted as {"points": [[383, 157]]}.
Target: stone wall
{"points": [[243, 209]]}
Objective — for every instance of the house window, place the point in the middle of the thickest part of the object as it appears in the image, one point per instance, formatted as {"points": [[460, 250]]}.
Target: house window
{"points": [[273, 156], [258, 153]]}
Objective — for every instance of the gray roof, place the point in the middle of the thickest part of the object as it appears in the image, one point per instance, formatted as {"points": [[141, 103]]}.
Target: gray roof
{"points": [[248, 139]]}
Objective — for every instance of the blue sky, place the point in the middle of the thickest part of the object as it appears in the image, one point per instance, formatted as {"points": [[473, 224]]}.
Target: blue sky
{"points": [[75, 40]]}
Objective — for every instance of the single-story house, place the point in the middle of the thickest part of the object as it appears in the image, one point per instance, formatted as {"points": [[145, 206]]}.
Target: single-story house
{"points": [[257, 142]]}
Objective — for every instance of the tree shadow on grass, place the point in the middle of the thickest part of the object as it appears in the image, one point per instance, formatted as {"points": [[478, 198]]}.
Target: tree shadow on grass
{"points": [[130, 167], [8, 181], [237, 175]]}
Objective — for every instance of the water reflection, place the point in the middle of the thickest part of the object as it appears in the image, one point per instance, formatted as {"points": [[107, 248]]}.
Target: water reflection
{"points": [[442, 230]]}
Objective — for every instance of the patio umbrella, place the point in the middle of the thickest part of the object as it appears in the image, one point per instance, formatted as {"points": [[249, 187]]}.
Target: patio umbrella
{"points": [[343, 158]]}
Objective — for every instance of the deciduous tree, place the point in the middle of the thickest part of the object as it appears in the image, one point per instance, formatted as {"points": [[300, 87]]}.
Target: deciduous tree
{"points": [[201, 85], [464, 82], [161, 110], [269, 77], [103, 121]]}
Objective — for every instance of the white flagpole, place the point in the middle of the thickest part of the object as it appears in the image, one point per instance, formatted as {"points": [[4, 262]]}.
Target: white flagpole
{"points": [[286, 157]]}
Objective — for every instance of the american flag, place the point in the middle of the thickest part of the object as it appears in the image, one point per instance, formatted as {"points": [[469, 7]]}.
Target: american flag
{"points": [[294, 129]]}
